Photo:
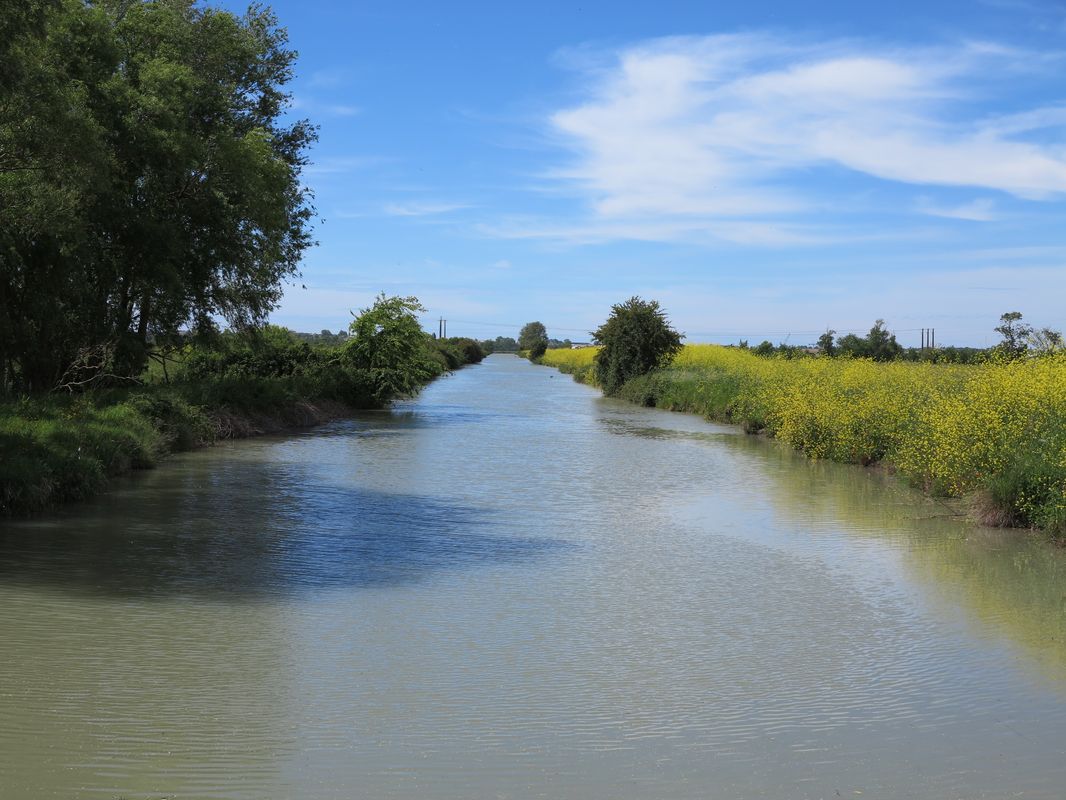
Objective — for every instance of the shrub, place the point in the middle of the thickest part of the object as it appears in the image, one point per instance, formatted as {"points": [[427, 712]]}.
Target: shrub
{"points": [[634, 340]]}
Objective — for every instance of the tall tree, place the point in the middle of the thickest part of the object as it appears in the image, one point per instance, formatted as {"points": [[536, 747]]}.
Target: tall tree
{"points": [[881, 343], [181, 202], [531, 334], [1015, 334]]}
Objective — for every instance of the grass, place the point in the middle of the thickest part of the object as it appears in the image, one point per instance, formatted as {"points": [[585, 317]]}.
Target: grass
{"points": [[66, 449], [56, 448], [994, 432]]}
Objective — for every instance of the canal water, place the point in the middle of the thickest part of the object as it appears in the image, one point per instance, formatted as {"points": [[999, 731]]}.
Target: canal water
{"points": [[510, 587]]}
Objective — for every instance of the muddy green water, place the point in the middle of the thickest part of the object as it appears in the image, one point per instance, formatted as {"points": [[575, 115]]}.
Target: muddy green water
{"points": [[512, 588]]}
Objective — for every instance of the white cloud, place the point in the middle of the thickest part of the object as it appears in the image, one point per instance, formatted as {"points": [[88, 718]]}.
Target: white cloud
{"points": [[980, 210], [341, 165], [421, 209], [319, 108], [728, 134], [684, 228], [329, 78], [342, 110]]}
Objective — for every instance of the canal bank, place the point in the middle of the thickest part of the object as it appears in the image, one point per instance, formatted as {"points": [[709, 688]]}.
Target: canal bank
{"points": [[67, 447]]}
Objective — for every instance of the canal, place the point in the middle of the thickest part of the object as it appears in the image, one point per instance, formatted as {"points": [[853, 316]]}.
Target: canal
{"points": [[511, 587]]}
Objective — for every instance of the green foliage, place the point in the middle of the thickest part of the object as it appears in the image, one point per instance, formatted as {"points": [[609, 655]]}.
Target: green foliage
{"points": [[879, 344], [634, 340], [65, 447], [325, 338], [946, 355], [470, 349], [1029, 490], [149, 180], [388, 343], [266, 352], [764, 348], [501, 344], [712, 393], [1045, 341], [539, 348], [1015, 334], [457, 352], [531, 333], [265, 368]]}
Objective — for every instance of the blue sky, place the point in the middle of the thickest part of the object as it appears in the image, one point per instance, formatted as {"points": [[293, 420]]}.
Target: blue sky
{"points": [[764, 170]]}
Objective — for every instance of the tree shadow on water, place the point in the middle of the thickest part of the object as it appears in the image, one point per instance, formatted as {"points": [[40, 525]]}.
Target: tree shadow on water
{"points": [[254, 530]]}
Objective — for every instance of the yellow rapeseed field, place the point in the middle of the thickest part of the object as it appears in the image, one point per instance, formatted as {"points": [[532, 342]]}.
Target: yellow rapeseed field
{"points": [[998, 428], [568, 360]]}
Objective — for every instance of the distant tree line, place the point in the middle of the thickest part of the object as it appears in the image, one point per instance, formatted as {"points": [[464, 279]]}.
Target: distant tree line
{"points": [[501, 344], [1018, 339], [325, 337]]}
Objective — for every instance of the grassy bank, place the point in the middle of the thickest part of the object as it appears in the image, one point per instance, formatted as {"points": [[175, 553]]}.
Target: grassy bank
{"points": [[994, 432], [61, 447]]}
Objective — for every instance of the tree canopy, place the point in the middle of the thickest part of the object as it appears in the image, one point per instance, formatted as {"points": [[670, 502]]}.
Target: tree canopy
{"points": [[387, 341], [148, 179], [501, 344], [879, 344], [531, 334], [635, 339]]}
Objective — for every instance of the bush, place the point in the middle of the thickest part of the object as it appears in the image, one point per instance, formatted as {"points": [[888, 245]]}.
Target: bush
{"points": [[635, 339], [387, 341], [456, 352], [57, 448], [539, 348]]}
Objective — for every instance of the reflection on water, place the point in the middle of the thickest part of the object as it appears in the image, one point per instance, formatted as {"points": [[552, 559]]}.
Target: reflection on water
{"points": [[512, 587], [259, 529], [1004, 582]]}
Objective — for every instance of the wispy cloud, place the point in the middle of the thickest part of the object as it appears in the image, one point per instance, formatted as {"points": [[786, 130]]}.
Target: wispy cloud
{"points": [[694, 231], [728, 135], [339, 165], [422, 209], [329, 78], [980, 210], [342, 110], [319, 108]]}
